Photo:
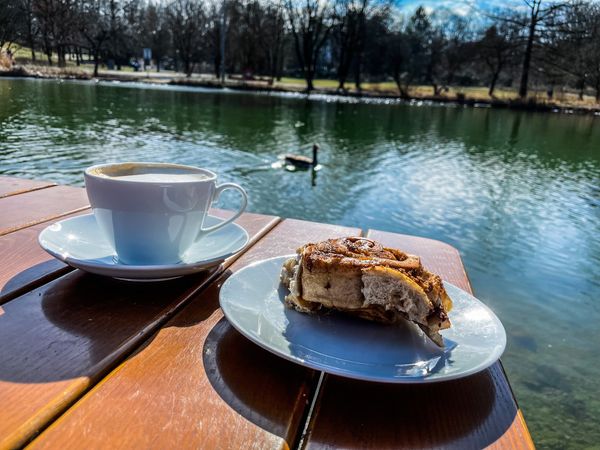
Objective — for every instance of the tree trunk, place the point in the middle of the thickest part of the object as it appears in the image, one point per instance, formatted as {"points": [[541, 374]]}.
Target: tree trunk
{"points": [[96, 62], [217, 64], [275, 62], [279, 65], [344, 66], [49, 55], [342, 73], [360, 47], [401, 89], [30, 37], [495, 76], [527, 61], [309, 75], [357, 72], [580, 86], [60, 51]]}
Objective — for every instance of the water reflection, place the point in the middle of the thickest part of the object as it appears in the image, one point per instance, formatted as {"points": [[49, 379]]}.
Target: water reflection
{"points": [[517, 193]]}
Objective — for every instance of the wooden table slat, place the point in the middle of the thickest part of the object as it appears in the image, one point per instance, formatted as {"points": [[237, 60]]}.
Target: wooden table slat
{"points": [[198, 381], [61, 338], [14, 186], [30, 266], [473, 412], [30, 208]]}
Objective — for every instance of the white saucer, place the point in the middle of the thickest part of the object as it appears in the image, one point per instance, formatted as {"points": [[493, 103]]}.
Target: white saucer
{"points": [[79, 242], [252, 299]]}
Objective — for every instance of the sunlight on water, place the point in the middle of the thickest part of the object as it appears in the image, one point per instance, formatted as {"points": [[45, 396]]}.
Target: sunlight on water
{"points": [[518, 194]]}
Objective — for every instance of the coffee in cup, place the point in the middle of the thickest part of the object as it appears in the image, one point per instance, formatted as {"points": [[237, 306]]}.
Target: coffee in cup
{"points": [[152, 213]]}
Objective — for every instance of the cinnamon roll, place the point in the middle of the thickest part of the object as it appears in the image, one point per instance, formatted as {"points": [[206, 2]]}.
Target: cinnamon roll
{"points": [[359, 276]]}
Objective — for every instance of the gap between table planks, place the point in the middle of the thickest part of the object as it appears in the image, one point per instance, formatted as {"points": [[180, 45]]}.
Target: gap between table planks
{"points": [[198, 383], [61, 338], [14, 186]]}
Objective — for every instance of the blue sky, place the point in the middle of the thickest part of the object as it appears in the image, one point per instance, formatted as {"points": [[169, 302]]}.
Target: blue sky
{"points": [[460, 7]]}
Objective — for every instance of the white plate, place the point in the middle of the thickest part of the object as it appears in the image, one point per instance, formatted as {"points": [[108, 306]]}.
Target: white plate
{"points": [[79, 242], [252, 301]]}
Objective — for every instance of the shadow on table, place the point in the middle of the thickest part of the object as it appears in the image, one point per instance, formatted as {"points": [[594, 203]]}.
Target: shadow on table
{"points": [[79, 325], [241, 372], [34, 275], [468, 413]]}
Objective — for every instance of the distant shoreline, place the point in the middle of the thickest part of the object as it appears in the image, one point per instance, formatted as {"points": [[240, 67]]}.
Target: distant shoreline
{"points": [[530, 105]]}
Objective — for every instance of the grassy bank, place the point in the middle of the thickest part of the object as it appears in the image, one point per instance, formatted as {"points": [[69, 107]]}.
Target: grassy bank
{"points": [[566, 102]]}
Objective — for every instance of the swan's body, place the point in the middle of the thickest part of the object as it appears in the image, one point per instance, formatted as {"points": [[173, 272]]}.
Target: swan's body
{"points": [[302, 162]]}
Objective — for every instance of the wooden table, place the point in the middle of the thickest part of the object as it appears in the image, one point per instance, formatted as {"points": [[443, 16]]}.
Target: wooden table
{"points": [[92, 362]]}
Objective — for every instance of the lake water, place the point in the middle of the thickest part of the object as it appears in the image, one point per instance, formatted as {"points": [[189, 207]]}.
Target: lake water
{"points": [[517, 193]]}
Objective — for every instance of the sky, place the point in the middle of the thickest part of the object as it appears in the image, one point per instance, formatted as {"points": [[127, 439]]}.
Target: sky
{"points": [[459, 7]]}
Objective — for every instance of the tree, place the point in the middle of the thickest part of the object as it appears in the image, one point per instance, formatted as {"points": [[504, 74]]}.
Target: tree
{"points": [[188, 23], [426, 45], [216, 27], [351, 20], [534, 22], [94, 26], [29, 24], [399, 60], [497, 50], [348, 16], [310, 23], [457, 50], [575, 47], [247, 40], [274, 38], [8, 16], [376, 54], [409, 50], [57, 21], [154, 32], [116, 48], [592, 50]]}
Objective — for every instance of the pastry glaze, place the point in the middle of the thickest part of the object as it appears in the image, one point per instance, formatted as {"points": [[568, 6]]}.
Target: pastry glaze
{"points": [[360, 276]]}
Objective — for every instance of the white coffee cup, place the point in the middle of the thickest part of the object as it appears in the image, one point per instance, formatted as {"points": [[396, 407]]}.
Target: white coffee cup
{"points": [[152, 213]]}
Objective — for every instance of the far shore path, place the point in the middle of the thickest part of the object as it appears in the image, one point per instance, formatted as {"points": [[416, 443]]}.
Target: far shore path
{"points": [[466, 96]]}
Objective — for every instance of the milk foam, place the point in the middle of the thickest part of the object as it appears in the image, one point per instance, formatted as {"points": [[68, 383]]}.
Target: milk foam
{"points": [[158, 177]]}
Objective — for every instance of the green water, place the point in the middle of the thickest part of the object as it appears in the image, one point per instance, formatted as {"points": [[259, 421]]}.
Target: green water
{"points": [[517, 193]]}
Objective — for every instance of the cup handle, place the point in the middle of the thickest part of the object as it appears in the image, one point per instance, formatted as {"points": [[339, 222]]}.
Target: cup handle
{"points": [[218, 191]]}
